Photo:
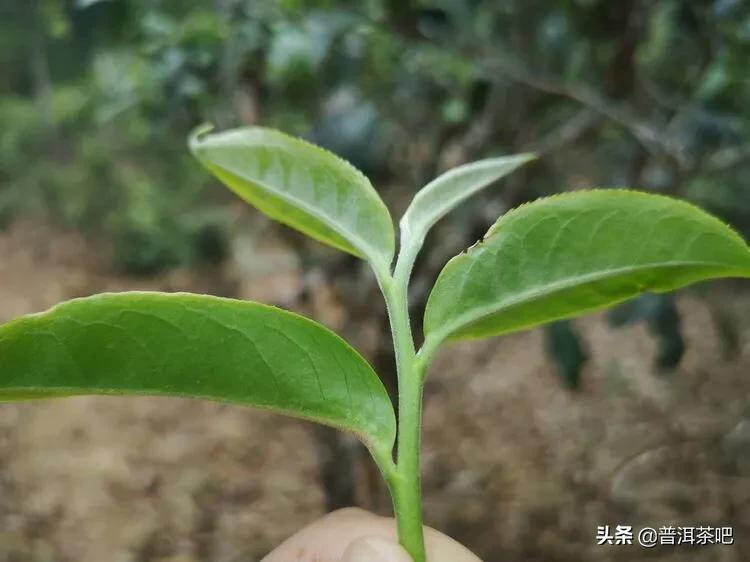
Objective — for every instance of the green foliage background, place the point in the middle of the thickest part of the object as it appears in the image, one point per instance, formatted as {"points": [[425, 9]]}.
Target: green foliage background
{"points": [[97, 97]]}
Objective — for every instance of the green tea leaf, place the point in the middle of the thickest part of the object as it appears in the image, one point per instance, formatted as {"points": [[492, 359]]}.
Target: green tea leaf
{"points": [[195, 346], [445, 192], [302, 186], [569, 254]]}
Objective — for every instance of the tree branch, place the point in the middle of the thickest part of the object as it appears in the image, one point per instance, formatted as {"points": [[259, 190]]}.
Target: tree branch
{"points": [[647, 134]]}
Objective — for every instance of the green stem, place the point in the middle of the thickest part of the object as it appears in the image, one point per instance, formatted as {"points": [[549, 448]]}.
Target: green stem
{"points": [[407, 496], [405, 481]]}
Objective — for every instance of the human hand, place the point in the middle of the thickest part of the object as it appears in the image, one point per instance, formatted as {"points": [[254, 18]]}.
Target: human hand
{"points": [[354, 535]]}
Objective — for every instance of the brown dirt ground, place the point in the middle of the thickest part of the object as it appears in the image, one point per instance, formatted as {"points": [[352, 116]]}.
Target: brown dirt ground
{"points": [[515, 467]]}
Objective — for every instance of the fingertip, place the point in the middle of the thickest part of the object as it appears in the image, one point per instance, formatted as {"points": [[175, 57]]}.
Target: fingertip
{"points": [[375, 549]]}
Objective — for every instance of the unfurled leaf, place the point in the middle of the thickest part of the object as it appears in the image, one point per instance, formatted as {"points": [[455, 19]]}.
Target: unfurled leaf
{"points": [[447, 191], [573, 253], [303, 186], [195, 346]]}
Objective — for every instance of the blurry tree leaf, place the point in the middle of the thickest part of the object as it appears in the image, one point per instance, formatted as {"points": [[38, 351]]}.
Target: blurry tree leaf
{"points": [[450, 189], [297, 49], [351, 127], [569, 254], [667, 327], [663, 319], [303, 186], [195, 346], [83, 4], [563, 345]]}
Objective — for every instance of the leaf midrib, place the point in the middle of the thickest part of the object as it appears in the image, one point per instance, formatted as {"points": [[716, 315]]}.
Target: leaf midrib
{"points": [[548, 289]]}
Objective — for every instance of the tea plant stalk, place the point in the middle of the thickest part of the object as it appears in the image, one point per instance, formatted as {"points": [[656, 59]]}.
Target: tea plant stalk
{"points": [[405, 484]]}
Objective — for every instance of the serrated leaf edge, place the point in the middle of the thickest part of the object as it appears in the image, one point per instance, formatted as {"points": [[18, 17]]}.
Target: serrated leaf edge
{"points": [[358, 242], [433, 339]]}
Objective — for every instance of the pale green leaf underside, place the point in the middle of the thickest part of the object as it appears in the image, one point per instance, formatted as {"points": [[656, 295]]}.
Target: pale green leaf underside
{"points": [[302, 186], [450, 189], [569, 254], [195, 346]]}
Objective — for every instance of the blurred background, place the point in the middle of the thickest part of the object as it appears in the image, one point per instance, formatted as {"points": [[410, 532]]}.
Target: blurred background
{"points": [[639, 416]]}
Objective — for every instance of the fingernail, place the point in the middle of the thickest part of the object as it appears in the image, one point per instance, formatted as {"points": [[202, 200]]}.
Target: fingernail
{"points": [[375, 549]]}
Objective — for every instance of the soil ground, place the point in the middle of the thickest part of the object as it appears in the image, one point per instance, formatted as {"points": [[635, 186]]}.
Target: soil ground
{"points": [[514, 466]]}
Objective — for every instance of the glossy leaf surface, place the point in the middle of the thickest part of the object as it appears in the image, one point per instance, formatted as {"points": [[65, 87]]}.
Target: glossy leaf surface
{"points": [[195, 346], [569, 254], [445, 192], [302, 186]]}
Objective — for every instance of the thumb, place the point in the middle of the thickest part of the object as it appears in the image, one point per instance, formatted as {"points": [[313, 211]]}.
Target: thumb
{"points": [[375, 549]]}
